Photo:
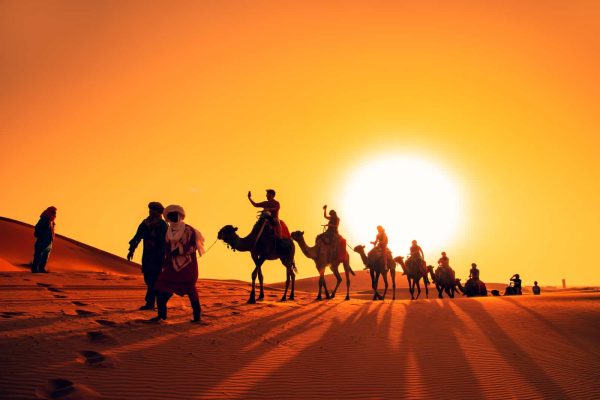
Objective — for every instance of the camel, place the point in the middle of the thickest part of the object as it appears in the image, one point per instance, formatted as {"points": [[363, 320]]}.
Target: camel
{"points": [[443, 280], [262, 247], [414, 276], [323, 255], [472, 288], [377, 267]]}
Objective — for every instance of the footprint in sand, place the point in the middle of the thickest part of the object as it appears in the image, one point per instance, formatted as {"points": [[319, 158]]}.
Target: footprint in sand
{"points": [[95, 359], [106, 322], [53, 289], [10, 314], [79, 303], [60, 296], [235, 312], [217, 304], [85, 313], [64, 389], [100, 337], [44, 284]]}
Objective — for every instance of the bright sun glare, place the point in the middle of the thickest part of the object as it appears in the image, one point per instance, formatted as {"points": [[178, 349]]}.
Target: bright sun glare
{"points": [[410, 197]]}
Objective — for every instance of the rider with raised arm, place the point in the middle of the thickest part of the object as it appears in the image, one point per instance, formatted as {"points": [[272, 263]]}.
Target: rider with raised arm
{"points": [[270, 206]]}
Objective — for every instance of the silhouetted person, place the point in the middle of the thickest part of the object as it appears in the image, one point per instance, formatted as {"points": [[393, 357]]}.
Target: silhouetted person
{"points": [[180, 268], [536, 289], [416, 252], [152, 231], [444, 262], [331, 233], [270, 206], [380, 244], [474, 272], [516, 280], [44, 236]]}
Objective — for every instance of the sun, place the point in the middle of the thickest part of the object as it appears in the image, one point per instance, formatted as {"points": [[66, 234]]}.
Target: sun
{"points": [[412, 198]]}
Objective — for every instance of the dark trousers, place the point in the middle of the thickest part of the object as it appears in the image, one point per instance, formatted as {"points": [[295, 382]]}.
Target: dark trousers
{"points": [[40, 258], [162, 298], [150, 279]]}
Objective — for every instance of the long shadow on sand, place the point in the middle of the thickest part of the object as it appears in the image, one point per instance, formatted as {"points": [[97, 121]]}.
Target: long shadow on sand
{"points": [[545, 385]]}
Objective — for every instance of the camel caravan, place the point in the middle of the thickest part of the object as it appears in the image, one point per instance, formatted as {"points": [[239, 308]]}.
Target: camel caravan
{"points": [[270, 239]]}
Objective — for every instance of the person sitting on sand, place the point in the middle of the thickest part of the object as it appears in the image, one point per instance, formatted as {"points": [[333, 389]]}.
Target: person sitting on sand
{"points": [[152, 231], [516, 280], [180, 267], [536, 289], [44, 236]]}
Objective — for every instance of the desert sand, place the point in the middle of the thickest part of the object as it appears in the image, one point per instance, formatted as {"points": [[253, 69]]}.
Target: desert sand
{"points": [[76, 333]]}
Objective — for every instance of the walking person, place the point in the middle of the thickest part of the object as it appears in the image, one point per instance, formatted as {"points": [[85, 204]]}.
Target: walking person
{"points": [[152, 231], [44, 236], [180, 267]]}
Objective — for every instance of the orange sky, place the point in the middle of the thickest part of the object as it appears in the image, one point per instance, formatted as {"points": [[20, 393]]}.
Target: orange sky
{"points": [[106, 105]]}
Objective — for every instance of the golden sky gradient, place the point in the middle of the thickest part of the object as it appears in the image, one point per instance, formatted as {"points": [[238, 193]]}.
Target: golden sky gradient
{"points": [[107, 105]]}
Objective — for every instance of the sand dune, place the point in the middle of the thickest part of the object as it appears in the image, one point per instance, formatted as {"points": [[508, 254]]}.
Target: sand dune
{"points": [[16, 250], [75, 334]]}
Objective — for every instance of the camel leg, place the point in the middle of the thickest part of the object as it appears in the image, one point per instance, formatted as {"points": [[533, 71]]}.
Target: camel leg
{"points": [[384, 274], [426, 289], [321, 280], [293, 276], [440, 290], [375, 282], [347, 271], [418, 288], [261, 293], [252, 299], [393, 276], [411, 288], [287, 284], [338, 278]]}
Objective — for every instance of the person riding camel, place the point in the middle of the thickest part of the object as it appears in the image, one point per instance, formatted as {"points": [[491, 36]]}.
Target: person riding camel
{"points": [[417, 253], [474, 272], [332, 236], [380, 244], [271, 207], [444, 262]]}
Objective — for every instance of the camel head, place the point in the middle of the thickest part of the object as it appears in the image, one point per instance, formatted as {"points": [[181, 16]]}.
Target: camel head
{"points": [[359, 249], [430, 268], [297, 235], [228, 234], [399, 260]]}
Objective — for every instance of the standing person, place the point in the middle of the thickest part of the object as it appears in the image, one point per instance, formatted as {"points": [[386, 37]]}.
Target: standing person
{"points": [[536, 289], [180, 267], [152, 231], [271, 206], [44, 236]]}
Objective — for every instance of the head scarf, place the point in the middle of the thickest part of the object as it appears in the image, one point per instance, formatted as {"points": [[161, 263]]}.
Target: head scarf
{"points": [[176, 229], [49, 213], [155, 205]]}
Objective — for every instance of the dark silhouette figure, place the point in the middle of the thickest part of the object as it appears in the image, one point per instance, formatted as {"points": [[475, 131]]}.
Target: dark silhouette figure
{"points": [[536, 289], [331, 234], [514, 288], [325, 253], [44, 236], [444, 280], [180, 268], [263, 245], [414, 274], [474, 287], [378, 265], [271, 207], [152, 231]]}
